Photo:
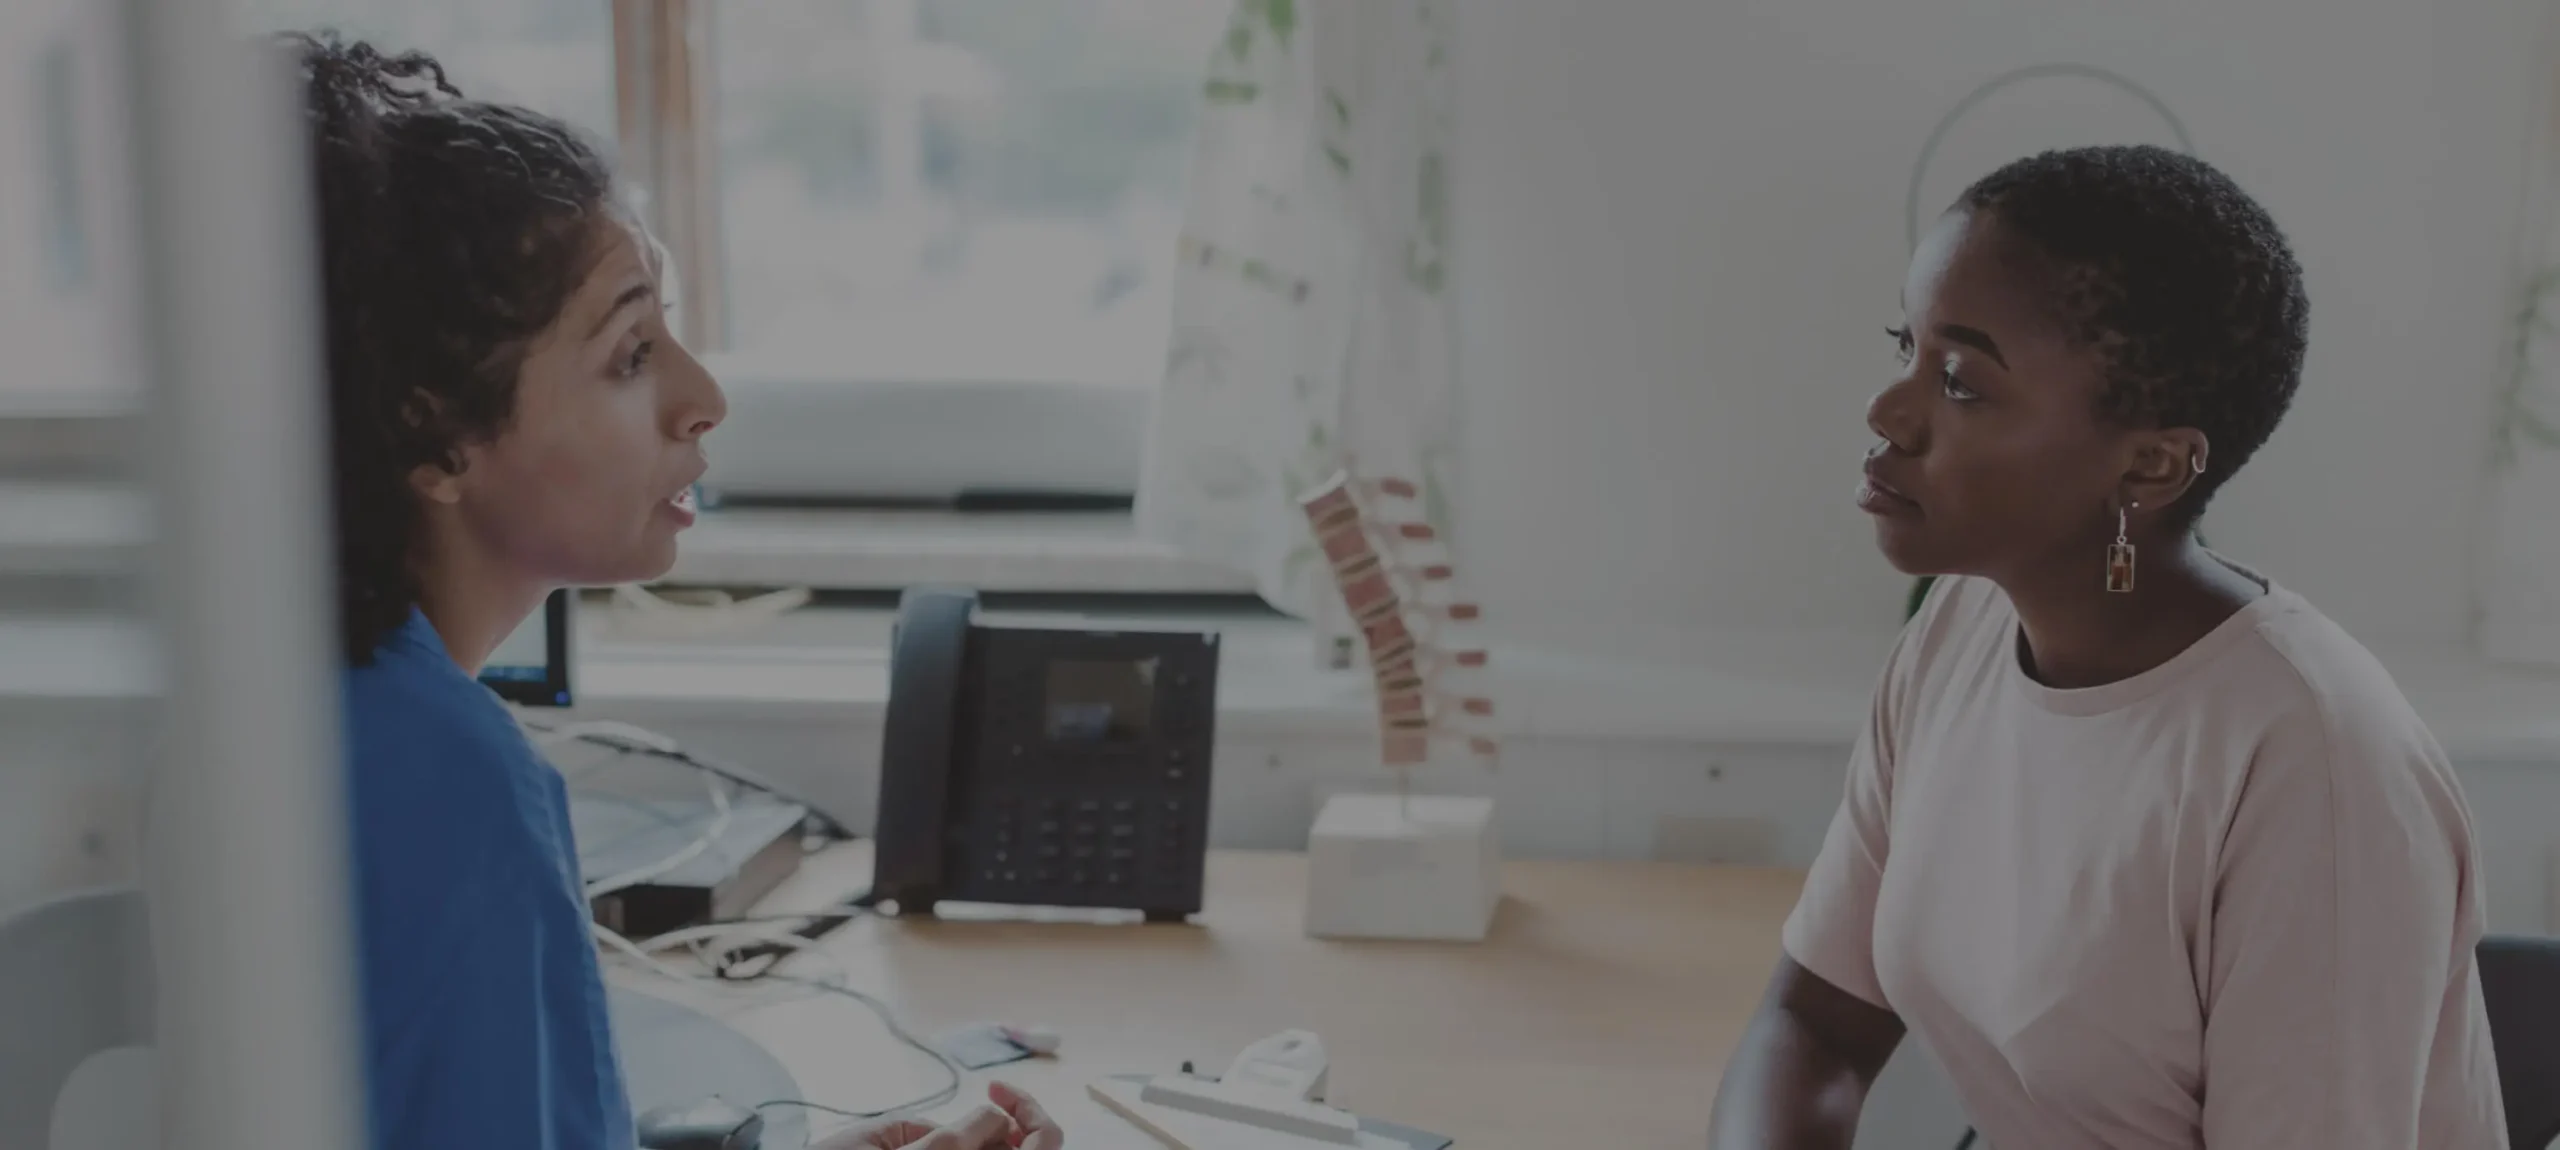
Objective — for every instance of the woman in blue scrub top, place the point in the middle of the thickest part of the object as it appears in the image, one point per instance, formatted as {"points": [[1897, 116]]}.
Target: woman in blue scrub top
{"points": [[509, 415]]}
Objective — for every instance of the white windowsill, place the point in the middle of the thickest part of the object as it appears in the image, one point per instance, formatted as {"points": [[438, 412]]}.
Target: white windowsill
{"points": [[829, 665], [56, 527], [1053, 551]]}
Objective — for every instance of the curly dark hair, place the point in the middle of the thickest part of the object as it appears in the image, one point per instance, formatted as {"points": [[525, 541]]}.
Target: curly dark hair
{"points": [[451, 232], [2178, 278]]}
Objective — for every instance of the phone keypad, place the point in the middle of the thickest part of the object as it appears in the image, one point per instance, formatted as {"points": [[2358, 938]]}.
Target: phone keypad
{"points": [[1106, 850]]}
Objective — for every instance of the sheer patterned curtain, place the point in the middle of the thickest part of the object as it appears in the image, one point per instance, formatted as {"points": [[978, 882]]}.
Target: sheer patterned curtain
{"points": [[1310, 372], [2518, 571], [2519, 574]]}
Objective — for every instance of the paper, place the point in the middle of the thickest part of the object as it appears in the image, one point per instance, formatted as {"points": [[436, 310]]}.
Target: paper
{"points": [[981, 1046], [1200, 1132]]}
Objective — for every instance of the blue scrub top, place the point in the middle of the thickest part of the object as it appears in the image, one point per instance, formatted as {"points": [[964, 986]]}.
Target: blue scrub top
{"points": [[483, 1003]]}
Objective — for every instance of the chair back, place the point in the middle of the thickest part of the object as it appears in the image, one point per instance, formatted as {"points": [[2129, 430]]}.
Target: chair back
{"points": [[75, 980], [2520, 981]]}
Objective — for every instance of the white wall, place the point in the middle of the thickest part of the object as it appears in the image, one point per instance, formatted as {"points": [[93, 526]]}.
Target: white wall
{"points": [[1682, 232], [70, 799]]}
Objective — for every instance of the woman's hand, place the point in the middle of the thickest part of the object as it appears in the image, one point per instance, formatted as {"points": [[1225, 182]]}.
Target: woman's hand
{"points": [[1034, 1129], [1011, 1121]]}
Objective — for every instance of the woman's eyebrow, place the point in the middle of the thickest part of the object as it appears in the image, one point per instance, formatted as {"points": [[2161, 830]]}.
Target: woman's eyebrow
{"points": [[630, 295], [1974, 338]]}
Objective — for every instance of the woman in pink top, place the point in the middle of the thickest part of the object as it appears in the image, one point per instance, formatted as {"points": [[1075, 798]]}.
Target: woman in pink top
{"points": [[2149, 852]]}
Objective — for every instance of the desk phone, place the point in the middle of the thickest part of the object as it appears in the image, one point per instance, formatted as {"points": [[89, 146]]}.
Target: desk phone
{"points": [[1043, 766]]}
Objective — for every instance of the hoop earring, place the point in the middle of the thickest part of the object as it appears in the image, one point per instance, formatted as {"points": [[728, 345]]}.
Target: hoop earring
{"points": [[2120, 553]]}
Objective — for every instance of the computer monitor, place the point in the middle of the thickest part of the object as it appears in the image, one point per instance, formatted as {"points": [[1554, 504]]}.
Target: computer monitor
{"points": [[532, 666]]}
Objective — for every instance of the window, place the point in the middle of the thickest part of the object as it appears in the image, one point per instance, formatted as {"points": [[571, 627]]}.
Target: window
{"points": [[937, 239], [555, 55], [955, 190], [926, 244]]}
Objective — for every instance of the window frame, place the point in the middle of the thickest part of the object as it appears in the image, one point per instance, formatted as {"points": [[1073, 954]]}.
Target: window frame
{"points": [[665, 80]]}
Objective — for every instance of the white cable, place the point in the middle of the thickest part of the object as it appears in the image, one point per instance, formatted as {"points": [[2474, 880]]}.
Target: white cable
{"points": [[837, 983], [631, 740], [702, 842], [716, 932], [627, 739], [771, 934], [632, 950]]}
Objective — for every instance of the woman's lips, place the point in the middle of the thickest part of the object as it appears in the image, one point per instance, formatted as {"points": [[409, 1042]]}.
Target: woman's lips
{"points": [[681, 507], [1878, 497]]}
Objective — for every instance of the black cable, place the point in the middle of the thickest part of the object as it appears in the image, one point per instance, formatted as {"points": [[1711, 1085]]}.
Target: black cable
{"points": [[815, 925], [1966, 1142], [847, 912]]}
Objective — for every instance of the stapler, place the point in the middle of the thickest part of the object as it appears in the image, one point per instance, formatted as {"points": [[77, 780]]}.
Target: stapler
{"points": [[1272, 1096]]}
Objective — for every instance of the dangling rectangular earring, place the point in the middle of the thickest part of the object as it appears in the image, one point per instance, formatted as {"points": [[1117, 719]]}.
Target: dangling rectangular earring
{"points": [[2120, 558]]}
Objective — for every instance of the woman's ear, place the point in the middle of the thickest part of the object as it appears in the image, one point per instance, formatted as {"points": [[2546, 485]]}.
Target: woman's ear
{"points": [[2165, 467], [439, 481], [436, 484]]}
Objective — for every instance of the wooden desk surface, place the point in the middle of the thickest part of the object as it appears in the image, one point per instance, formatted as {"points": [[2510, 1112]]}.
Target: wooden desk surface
{"points": [[1598, 1013]]}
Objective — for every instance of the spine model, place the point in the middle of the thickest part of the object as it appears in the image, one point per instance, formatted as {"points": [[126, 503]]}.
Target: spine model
{"points": [[1396, 581]]}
